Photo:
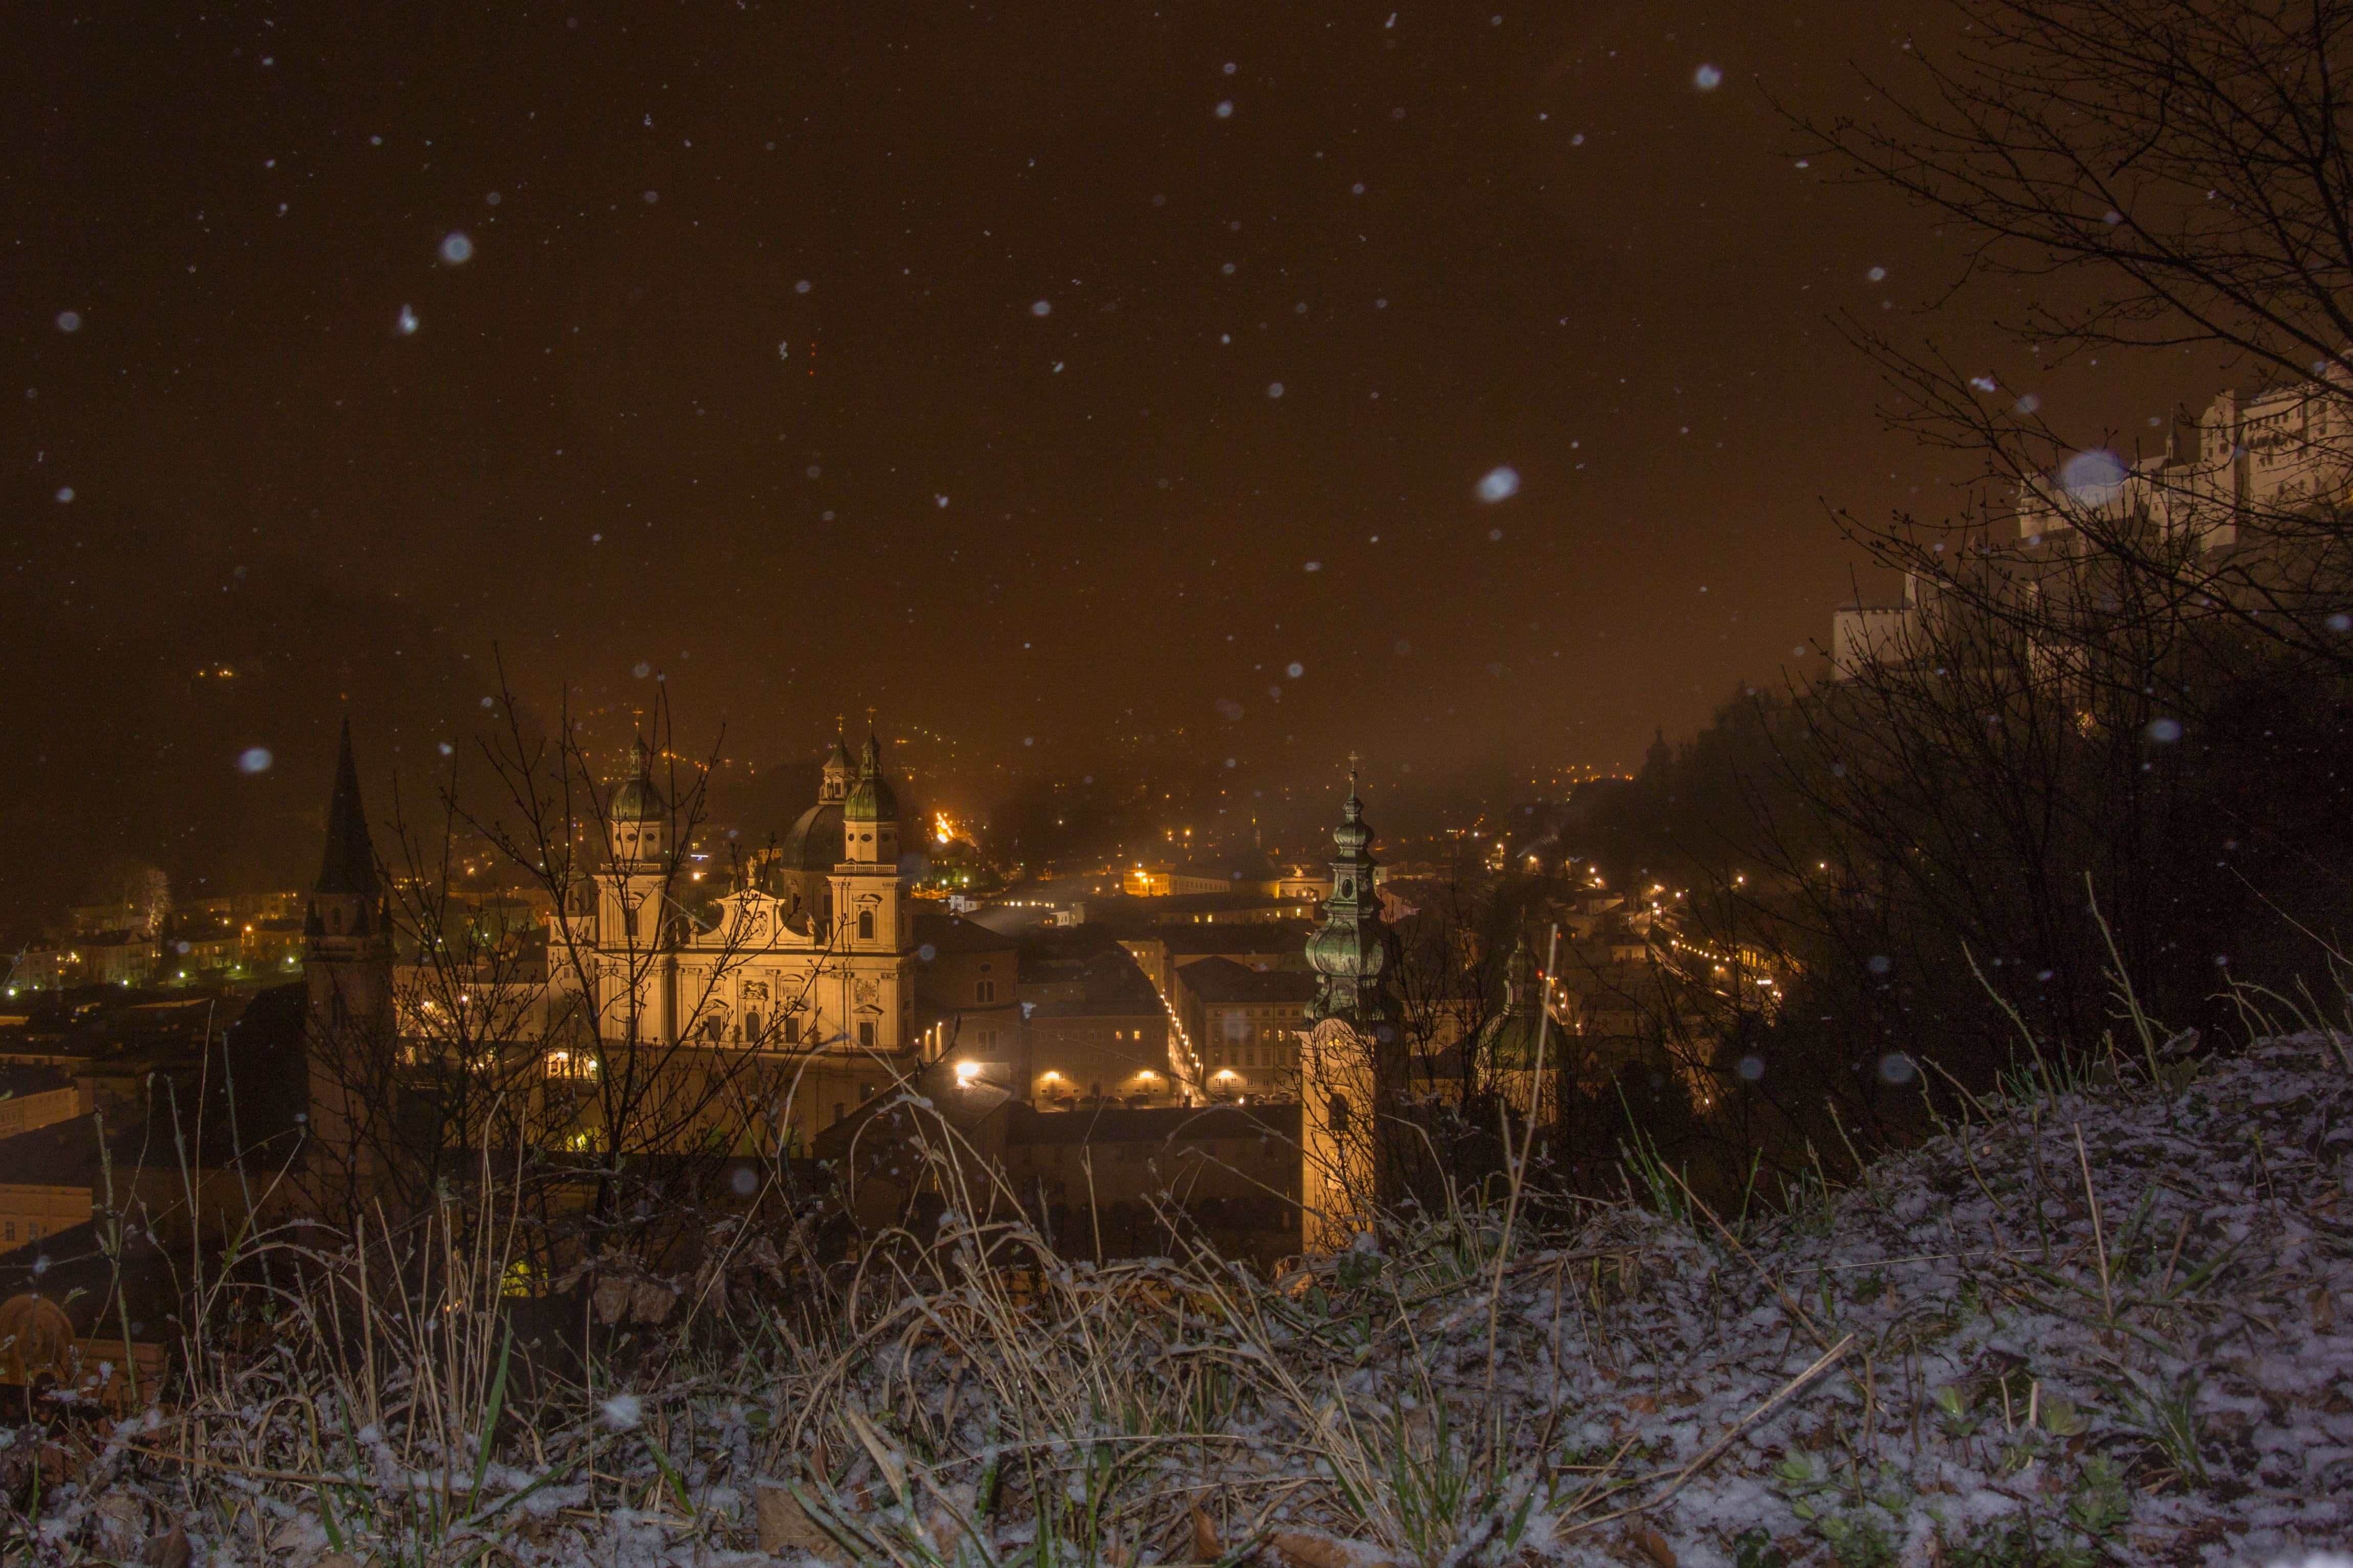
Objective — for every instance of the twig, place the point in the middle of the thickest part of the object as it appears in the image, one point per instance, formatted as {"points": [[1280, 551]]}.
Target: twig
{"points": [[1707, 1455]]}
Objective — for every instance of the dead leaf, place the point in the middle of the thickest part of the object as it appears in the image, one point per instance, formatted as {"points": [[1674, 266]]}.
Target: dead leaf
{"points": [[785, 1526], [611, 1300], [169, 1550], [120, 1523], [1302, 1550], [1643, 1404], [1650, 1545], [947, 1520], [650, 1301], [1206, 1547]]}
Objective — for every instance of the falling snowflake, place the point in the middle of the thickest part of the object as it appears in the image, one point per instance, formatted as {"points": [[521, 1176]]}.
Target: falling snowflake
{"points": [[1042, 308], [1226, 110], [1294, 670], [407, 322], [69, 320], [2093, 477], [1877, 274], [622, 1412], [456, 248], [1982, 383], [65, 492], [941, 499], [1274, 389], [1500, 484], [254, 760], [1707, 78]]}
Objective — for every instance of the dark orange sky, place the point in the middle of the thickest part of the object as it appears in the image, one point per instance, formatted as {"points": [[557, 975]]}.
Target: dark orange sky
{"points": [[926, 357]]}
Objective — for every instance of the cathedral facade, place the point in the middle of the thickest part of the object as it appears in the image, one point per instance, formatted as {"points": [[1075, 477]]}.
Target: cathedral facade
{"points": [[805, 973]]}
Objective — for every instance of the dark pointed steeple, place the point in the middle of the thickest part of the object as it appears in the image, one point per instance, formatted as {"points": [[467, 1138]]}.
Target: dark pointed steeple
{"points": [[347, 935], [350, 863]]}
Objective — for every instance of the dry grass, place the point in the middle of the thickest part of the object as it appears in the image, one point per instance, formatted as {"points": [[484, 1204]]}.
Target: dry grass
{"points": [[2034, 1325]]}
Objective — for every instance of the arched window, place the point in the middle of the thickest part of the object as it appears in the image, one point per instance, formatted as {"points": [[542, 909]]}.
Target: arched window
{"points": [[866, 925], [1338, 1112], [984, 992]]}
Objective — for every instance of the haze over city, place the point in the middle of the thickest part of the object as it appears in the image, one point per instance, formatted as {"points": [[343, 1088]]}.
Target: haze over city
{"points": [[1458, 386]]}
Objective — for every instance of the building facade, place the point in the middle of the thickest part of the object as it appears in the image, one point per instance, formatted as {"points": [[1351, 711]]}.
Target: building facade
{"points": [[807, 971]]}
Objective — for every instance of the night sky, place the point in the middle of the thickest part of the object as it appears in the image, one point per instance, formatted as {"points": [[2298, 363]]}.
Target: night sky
{"points": [[1046, 378]]}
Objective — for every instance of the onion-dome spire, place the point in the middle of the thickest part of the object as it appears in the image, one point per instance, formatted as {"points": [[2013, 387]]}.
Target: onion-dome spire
{"points": [[636, 800], [1355, 950], [1520, 989], [872, 799], [839, 770]]}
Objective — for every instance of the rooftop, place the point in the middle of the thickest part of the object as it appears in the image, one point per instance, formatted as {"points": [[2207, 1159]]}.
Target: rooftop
{"points": [[1221, 980]]}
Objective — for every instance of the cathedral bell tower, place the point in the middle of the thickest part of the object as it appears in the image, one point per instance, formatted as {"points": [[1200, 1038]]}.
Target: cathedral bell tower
{"points": [[631, 903], [1352, 1062], [866, 890], [838, 774]]}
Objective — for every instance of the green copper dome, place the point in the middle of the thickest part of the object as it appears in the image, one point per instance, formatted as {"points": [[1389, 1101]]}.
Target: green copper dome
{"points": [[636, 800], [1513, 1037], [871, 799]]}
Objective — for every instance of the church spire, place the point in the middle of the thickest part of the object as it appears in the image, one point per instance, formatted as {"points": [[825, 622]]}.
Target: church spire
{"points": [[1353, 951], [350, 863]]}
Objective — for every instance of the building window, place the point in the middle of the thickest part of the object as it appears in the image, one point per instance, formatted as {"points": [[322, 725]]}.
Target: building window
{"points": [[792, 1029], [629, 919], [984, 992], [866, 925], [1338, 1114], [751, 1026], [866, 1033]]}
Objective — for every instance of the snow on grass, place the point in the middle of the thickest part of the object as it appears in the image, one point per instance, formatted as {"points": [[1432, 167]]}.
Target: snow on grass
{"points": [[2104, 1324]]}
